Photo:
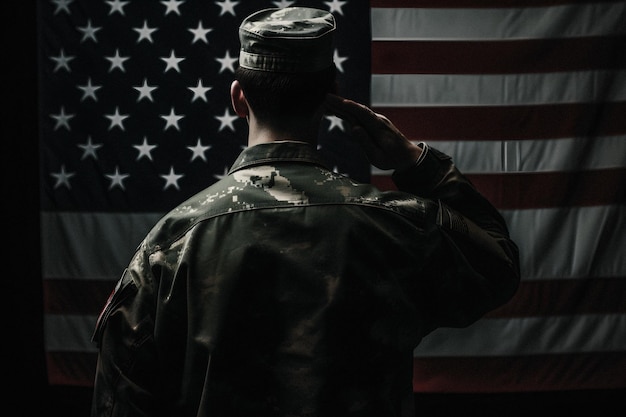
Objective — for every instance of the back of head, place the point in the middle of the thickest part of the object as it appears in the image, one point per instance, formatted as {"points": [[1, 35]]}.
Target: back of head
{"points": [[286, 63]]}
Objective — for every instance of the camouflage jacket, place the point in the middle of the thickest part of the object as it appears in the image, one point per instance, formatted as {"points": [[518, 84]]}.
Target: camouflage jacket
{"points": [[286, 289]]}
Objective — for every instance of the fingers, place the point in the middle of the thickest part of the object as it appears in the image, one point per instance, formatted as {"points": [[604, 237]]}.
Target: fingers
{"points": [[353, 112]]}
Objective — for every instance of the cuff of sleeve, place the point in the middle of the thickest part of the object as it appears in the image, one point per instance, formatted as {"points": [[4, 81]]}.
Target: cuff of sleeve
{"points": [[424, 174]]}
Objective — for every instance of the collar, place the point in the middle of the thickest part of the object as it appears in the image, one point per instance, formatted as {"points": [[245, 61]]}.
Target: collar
{"points": [[283, 151]]}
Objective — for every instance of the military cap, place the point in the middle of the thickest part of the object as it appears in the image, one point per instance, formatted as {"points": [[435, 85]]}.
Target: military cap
{"points": [[291, 40]]}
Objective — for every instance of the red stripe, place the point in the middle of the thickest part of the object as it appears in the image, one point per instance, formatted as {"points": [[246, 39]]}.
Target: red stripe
{"points": [[497, 57], [553, 189], [597, 370], [544, 189], [509, 122], [71, 368], [566, 297], [75, 296], [478, 4]]}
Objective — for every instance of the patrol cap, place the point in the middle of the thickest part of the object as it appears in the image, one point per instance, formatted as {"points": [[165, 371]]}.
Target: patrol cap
{"points": [[291, 40]]}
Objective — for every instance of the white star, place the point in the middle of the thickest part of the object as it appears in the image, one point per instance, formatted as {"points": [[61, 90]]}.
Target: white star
{"points": [[62, 119], [171, 179], [63, 178], [62, 61], [89, 90], [226, 120], [227, 62], [145, 91], [117, 119], [145, 32], [334, 122], [335, 6], [172, 6], [220, 176], [90, 149], [89, 32], [199, 92], [199, 33], [117, 61], [172, 62], [227, 6], [338, 60], [62, 5], [283, 3], [144, 149], [198, 151], [117, 6], [117, 179], [171, 119]]}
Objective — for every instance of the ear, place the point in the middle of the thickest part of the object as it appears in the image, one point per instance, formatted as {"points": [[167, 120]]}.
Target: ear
{"points": [[238, 100]]}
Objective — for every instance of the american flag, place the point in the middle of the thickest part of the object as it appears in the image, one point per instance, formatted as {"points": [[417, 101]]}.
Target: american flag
{"points": [[528, 97]]}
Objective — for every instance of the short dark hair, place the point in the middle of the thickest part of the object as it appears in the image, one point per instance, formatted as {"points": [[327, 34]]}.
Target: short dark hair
{"points": [[275, 96]]}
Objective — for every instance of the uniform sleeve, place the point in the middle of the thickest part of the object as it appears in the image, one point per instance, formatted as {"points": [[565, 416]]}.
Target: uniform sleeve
{"points": [[476, 269], [126, 373]]}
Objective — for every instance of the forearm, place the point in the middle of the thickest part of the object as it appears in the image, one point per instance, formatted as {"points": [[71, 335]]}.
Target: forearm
{"points": [[477, 236]]}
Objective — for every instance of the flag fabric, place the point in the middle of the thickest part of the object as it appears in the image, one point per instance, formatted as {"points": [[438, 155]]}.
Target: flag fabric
{"points": [[528, 97]]}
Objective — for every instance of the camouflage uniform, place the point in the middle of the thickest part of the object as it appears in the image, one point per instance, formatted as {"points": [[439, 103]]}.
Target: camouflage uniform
{"points": [[286, 289]]}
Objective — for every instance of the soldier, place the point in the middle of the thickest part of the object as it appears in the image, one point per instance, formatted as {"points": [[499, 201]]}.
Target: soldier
{"points": [[286, 289]]}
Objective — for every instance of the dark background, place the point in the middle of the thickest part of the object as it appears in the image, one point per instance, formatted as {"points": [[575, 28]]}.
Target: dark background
{"points": [[23, 362]]}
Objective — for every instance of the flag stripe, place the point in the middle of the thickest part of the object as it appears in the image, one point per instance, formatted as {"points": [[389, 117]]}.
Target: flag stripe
{"points": [[71, 368], [518, 336], [534, 156], [534, 298], [553, 189], [76, 296], [554, 21], [508, 122], [478, 4], [532, 373], [557, 243], [497, 57], [72, 243], [565, 297], [559, 334], [69, 332], [428, 90], [544, 190], [551, 246]]}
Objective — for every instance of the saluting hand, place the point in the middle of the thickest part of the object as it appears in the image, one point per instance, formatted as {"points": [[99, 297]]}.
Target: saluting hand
{"points": [[385, 146]]}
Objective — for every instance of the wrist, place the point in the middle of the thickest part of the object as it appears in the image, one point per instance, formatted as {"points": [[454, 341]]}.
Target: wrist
{"points": [[416, 156]]}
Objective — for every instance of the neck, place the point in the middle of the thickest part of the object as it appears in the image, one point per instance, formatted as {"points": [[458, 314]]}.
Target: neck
{"points": [[299, 132]]}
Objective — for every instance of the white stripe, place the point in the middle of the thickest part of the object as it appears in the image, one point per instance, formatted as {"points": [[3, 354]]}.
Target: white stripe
{"points": [[417, 90], [529, 336], [598, 19], [545, 155], [487, 337], [91, 245], [570, 242], [555, 243], [69, 333]]}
